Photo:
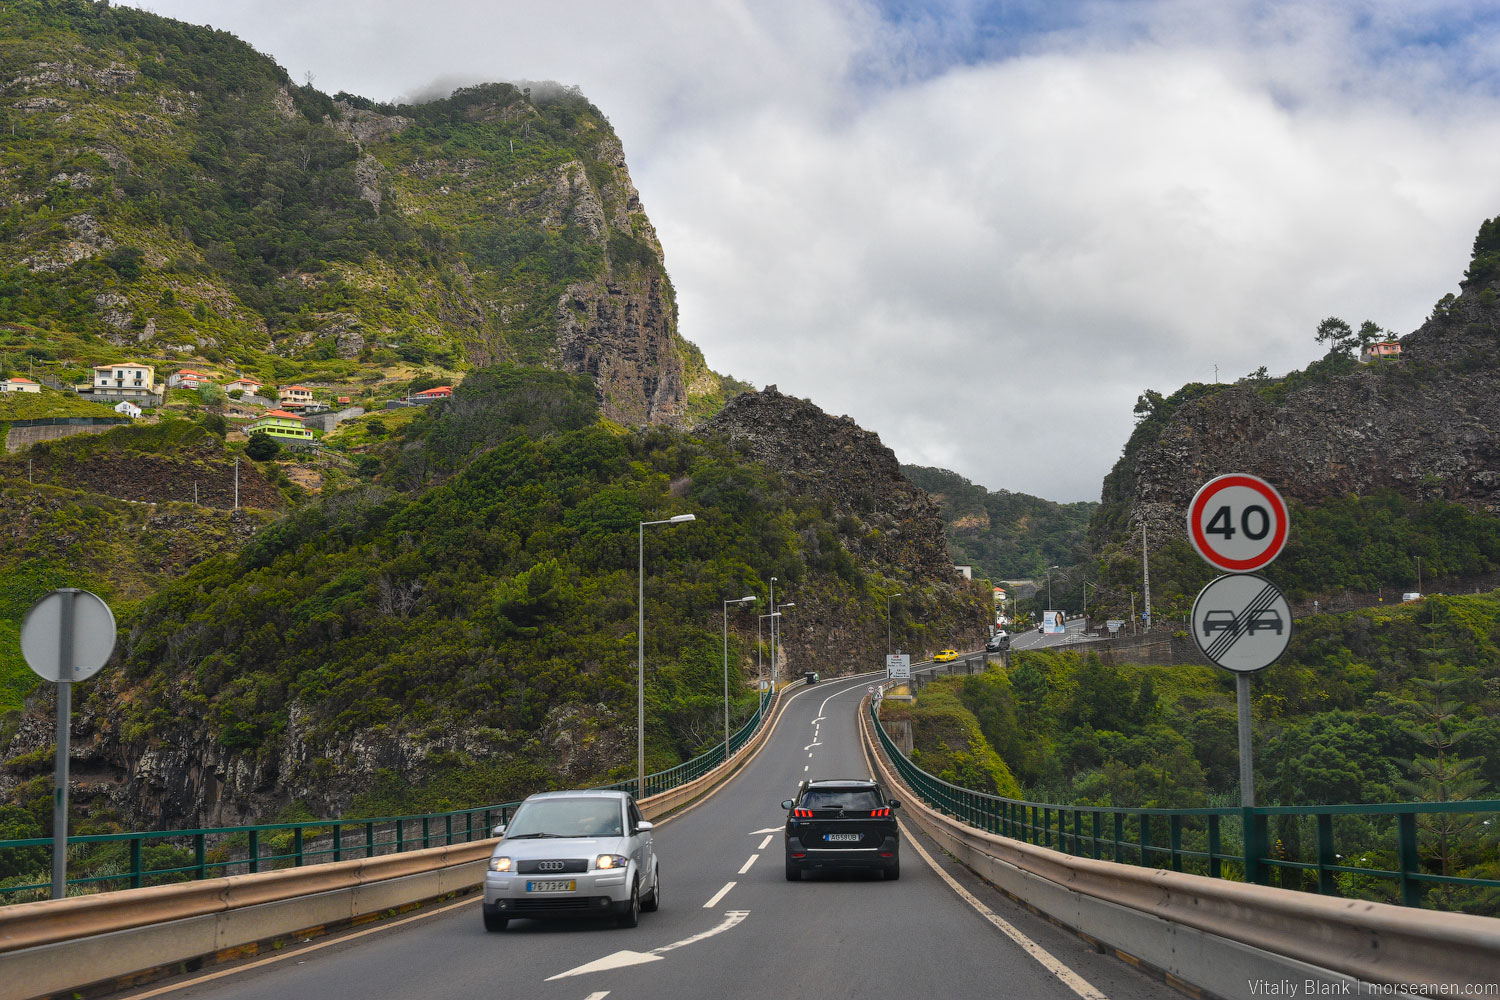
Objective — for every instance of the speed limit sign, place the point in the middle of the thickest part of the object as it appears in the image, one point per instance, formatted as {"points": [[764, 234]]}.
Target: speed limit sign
{"points": [[1238, 522]]}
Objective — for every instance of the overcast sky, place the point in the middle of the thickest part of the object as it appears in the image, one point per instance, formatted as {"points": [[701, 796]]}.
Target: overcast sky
{"points": [[983, 229]]}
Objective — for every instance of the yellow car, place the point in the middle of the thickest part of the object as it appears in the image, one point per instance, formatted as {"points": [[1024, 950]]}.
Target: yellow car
{"points": [[945, 655]]}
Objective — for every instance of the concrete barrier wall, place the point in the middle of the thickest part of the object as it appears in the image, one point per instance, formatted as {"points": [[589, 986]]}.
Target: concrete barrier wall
{"points": [[1214, 934], [22, 437]]}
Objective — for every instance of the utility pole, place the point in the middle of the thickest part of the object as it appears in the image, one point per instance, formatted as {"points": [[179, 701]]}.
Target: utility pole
{"points": [[1133, 628], [1146, 574], [1216, 374], [1419, 574], [236, 482]]}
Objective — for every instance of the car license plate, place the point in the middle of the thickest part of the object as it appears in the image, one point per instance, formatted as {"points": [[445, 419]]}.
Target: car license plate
{"points": [[559, 885], [840, 837]]}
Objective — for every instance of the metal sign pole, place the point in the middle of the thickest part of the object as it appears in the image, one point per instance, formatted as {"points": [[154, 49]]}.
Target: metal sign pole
{"points": [[1247, 763], [64, 720]]}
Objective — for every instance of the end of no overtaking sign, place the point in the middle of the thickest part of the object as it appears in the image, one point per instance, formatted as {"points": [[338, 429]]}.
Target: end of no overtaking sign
{"points": [[1238, 523]]}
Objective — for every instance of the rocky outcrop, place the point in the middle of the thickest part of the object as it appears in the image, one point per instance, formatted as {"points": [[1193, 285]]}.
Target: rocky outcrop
{"points": [[1425, 424], [886, 518]]}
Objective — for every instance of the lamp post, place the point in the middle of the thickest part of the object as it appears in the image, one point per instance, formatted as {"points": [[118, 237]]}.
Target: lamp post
{"points": [[773, 634], [775, 630], [888, 620], [760, 665], [743, 600], [640, 653], [1049, 586]]}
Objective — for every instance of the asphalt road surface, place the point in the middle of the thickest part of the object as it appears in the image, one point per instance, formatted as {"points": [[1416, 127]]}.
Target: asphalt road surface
{"points": [[730, 924], [1029, 639]]}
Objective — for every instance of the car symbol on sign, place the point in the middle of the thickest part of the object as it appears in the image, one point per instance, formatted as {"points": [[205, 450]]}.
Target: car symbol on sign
{"points": [[1220, 621], [1264, 619]]}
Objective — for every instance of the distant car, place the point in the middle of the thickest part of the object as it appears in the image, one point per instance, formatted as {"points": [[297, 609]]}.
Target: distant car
{"points": [[841, 824], [1267, 618], [999, 642], [1219, 621], [573, 854], [1041, 629], [945, 655]]}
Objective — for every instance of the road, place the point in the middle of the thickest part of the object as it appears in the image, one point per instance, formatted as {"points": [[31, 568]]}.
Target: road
{"points": [[1028, 638], [730, 924]]}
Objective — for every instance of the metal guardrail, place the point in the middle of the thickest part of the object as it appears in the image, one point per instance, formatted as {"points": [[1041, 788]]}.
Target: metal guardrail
{"points": [[1311, 849], [157, 857]]}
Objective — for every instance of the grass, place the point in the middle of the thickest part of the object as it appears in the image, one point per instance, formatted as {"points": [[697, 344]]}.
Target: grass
{"points": [[49, 403]]}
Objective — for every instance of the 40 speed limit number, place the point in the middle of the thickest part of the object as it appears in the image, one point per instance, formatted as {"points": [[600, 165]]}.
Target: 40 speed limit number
{"points": [[1238, 522]]}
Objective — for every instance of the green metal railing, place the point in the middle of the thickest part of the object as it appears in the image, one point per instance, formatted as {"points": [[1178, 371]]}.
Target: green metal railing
{"points": [[131, 860], [1360, 851]]}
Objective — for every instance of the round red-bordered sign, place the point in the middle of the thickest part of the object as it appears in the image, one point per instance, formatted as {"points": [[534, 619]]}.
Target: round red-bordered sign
{"points": [[1238, 522]]}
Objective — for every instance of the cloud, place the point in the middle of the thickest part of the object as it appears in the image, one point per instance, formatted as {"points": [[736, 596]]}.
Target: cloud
{"points": [[983, 229]]}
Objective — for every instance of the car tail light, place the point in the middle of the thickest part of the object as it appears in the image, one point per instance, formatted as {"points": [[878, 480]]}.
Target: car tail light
{"points": [[799, 855], [802, 813], [882, 811], [886, 854]]}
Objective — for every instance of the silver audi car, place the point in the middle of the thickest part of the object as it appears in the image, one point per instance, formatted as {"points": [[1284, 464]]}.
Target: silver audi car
{"points": [[572, 854]]}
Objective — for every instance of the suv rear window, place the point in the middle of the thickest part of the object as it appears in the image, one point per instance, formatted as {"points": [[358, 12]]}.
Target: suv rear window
{"points": [[841, 798]]}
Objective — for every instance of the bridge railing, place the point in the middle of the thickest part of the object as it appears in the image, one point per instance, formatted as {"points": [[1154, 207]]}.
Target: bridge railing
{"points": [[1390, 852], [132, 860]]}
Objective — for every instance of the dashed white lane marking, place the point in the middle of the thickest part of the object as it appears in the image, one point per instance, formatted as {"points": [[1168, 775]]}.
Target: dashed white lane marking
{"points": [[809, 755], [753, 858], [1067, 976], [719, 895], [814, 743], [597, 996], [805, 766], [766, 843]]}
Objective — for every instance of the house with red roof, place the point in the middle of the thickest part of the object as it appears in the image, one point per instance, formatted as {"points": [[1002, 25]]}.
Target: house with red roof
{"points": [[19, 384], [432, 395]]}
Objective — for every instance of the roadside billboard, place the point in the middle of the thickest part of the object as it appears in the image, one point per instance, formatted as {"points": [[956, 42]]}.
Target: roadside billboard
{"points": [[1053, 623]]}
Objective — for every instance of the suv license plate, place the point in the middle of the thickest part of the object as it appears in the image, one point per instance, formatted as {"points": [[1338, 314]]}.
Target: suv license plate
{"points": [[836, 837], [564, 885]]}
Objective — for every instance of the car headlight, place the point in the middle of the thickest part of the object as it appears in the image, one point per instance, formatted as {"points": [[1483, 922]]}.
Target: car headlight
{"points": [[606, 861], [499, 864]]}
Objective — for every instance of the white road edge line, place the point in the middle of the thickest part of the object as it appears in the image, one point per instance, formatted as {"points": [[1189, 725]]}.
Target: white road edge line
{"points": [[1065, 975], [753, 858], [765, 843], [719, 895]]}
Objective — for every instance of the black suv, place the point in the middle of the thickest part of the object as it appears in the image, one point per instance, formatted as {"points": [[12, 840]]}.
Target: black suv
{"points": [[837, 824]]}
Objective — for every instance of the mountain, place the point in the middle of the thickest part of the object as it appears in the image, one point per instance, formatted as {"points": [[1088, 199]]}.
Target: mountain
{"points": [[1005, 535], [167, 193], [1384, 464]]}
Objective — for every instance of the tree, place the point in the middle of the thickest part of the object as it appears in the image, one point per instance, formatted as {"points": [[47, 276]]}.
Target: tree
{"points": [[212, 397], [1371, 333], [262, 447], [1340, 338]]}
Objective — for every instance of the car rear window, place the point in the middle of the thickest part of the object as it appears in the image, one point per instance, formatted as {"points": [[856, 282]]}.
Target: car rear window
{"points": [[841, 798]]}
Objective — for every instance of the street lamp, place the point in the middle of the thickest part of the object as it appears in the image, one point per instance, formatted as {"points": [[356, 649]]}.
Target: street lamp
{"points": [[888, 620], [759, 663], [743, 600], [775, 629], [773, 634], [1049, 586], [640, 653]]}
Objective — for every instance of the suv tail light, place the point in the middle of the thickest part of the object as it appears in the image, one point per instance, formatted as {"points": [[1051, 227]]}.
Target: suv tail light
{"points": [[883, 811], [802, 813]]}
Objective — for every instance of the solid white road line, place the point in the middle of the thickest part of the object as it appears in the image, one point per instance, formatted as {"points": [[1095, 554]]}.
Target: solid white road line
{"points": [[765, 843], [718, 896], [752, 861], [1067, 976], [299, 952]]}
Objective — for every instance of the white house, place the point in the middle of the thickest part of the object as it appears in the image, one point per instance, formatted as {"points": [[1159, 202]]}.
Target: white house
{"points": [[296, 395], [18, 384], [244, 383], [128, 408]]}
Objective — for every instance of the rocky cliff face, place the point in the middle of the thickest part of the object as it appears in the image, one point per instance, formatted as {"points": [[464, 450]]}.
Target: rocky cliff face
{"points": [[1426, 425], [891, 527], [886, 519]]}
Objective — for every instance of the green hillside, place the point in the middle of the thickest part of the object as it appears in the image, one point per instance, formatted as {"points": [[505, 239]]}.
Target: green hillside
{"points": [[1005, 535]]}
